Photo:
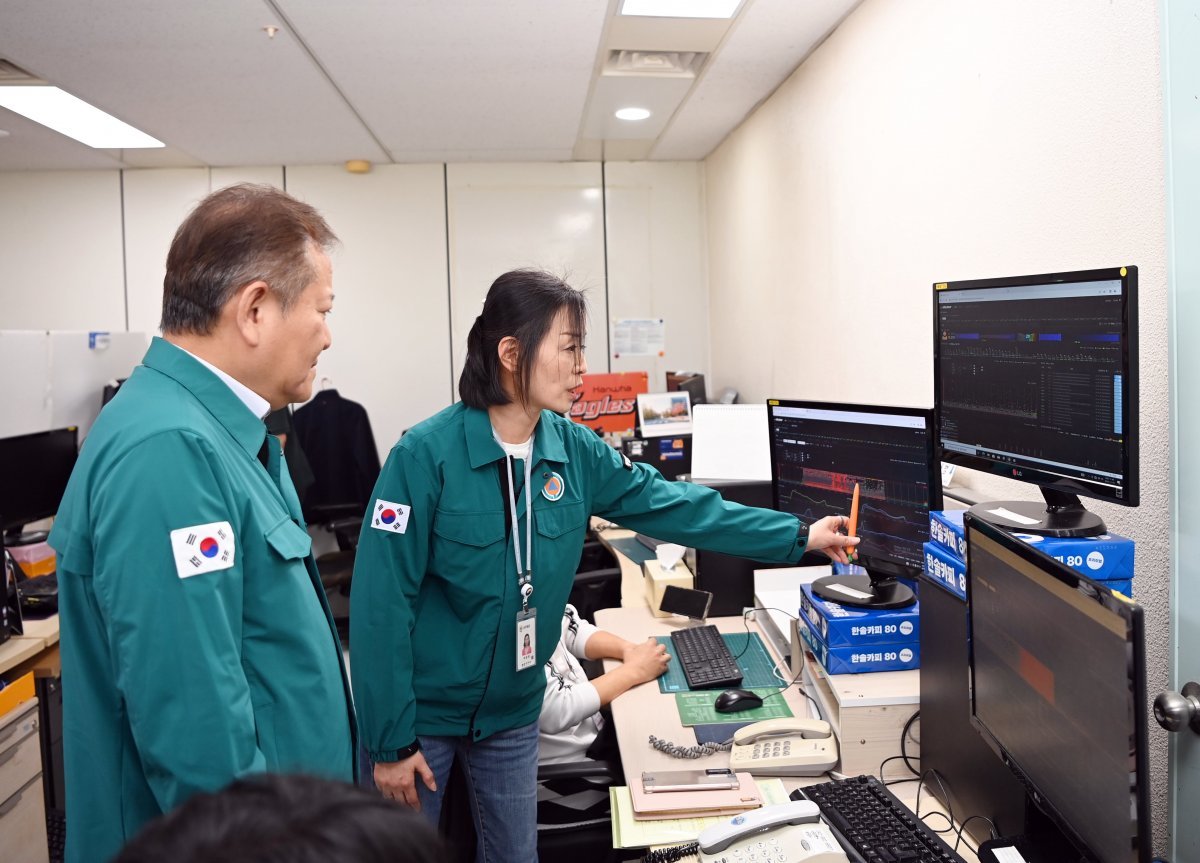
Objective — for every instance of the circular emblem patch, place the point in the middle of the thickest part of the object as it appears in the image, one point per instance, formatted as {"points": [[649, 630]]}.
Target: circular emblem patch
{"points": [[554, 487]]}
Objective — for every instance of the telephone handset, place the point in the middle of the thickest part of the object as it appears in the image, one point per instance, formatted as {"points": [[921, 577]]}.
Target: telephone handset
{"points": [[792, 746], [791, 831]]}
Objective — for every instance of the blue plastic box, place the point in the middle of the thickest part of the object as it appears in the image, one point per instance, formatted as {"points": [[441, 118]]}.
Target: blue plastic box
{"points": [[846, 626], [946, 529], [860, 660]]}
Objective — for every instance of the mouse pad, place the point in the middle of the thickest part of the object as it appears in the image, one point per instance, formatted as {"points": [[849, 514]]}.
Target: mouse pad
{"points": [[756, 664], [696, 708]]}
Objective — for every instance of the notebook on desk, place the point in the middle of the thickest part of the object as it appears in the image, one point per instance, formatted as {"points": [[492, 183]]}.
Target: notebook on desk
{"points": [[680, 804]]}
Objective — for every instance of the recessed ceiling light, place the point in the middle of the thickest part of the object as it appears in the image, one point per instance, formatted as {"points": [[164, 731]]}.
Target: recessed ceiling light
{"points": [[74, 118], [681, 8], [632, 114]]}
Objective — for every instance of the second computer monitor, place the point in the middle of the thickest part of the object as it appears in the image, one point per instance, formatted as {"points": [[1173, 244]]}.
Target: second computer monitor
{"points": [[34, 470], [821, 450]]}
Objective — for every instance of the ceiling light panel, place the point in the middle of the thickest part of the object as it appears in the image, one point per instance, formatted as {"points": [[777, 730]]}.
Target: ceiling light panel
{"points": [[681, 8], [73, 117]]}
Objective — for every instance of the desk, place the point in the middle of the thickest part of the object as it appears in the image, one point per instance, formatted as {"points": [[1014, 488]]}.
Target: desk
{"points": [[644, 710], [633, 586]]}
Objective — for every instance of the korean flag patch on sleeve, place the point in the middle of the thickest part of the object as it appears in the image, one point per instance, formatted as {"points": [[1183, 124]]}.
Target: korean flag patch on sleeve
{"points": [[390, 517], [203, 548]]}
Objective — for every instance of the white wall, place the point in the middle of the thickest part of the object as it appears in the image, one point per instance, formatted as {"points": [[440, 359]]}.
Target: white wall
{"points": [[544, 215], [77, 247], [657, 266], [933, 140], [60, 237], [390, 321]]}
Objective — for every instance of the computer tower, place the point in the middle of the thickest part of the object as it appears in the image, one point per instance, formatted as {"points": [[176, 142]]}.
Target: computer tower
{"points": [[975, 779], [671, 455], [731, 579], [50, 712]]}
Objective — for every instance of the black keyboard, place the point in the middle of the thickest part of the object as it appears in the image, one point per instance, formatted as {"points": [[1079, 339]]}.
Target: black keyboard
{"points": [[706, 660], [56, 834], [873, 824]]}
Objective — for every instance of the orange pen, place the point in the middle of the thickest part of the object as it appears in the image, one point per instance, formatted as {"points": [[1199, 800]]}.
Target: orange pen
{"points": [[852, 530]]}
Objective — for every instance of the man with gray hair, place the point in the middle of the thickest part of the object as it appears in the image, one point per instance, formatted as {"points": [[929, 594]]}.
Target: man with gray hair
{"points": [[197, 646]]}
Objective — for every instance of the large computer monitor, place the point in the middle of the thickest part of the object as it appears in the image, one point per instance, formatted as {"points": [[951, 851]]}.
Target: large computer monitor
{"points": [[1058, 690], [820, 450], [34, 469], [1036, 379]]}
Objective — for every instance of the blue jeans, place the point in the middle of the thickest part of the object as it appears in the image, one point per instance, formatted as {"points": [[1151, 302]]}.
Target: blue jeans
{"points": [[501, 775]]}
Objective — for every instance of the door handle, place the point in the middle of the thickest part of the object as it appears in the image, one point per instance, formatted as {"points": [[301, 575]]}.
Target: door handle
{"points": [[1176, 711]]}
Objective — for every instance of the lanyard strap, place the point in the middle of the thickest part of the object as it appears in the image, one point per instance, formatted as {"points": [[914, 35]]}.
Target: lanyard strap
{"points": [[524, 576]]}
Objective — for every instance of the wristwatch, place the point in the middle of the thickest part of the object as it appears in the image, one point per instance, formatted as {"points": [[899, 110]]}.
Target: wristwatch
{"points": [[408, 751]]}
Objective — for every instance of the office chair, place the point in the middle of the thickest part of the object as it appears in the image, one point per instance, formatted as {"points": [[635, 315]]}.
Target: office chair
{"points": [[566, 833], [597, 581], [336, 568]]}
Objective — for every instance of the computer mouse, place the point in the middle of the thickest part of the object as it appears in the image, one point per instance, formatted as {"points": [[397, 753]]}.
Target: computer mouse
{"points": [[733, 700]]}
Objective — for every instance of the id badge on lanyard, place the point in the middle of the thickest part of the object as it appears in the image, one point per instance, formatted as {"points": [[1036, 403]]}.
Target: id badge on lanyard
{"points": [[526, 640]]}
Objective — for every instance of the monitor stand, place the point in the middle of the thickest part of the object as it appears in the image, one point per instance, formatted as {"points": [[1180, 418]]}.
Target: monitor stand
{"points": [[872, 590], [1062, 516]]}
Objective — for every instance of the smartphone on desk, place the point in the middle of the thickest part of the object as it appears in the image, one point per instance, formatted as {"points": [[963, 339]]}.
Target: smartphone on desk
{"points": [[792, 746], [789, 831]]}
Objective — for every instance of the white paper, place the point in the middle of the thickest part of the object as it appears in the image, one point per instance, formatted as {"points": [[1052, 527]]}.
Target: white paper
{"points": [[1007, 855], [669, 554], [632, 337], [1012, 516], [730, 442]]}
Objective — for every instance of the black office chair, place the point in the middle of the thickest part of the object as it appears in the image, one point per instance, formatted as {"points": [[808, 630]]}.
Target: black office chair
{"points": [[567, 833], [336, 568], [597, 582]]}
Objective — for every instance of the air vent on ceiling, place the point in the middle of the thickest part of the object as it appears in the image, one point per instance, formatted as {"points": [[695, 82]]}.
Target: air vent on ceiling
{"points": [[676, 64], [10, 73]]}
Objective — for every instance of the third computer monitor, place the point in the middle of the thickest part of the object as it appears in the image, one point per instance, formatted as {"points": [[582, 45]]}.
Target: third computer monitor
{"points": [[821, 450], [1036, 379], [1058, 691]]}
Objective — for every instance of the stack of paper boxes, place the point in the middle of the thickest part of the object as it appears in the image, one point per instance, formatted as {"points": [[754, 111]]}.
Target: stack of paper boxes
{"points": [[848, 640], [1107, 558]]}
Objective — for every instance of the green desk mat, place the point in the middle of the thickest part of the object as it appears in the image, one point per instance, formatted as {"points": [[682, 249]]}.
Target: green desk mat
{"points": [[757, 666], [632, 549], [696, 707]]}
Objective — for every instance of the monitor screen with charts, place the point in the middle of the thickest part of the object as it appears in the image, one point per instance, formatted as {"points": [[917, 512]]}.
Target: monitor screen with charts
{"points": [[1036, 379], [820, 451]]}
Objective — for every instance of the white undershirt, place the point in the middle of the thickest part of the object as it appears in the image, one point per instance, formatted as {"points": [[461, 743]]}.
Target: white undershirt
{"points": [[258, 406], [516, 450]]}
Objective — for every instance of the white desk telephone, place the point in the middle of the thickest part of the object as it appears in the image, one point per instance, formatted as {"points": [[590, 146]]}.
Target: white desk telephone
{"points": [[790, 832], [792, 746]]}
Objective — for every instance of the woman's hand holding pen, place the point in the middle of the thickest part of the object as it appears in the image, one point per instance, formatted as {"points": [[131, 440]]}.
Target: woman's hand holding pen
{"points": [[826, 535]]}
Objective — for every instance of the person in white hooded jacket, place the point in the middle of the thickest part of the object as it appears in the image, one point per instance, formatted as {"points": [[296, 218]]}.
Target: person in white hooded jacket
{"points": [[571, 720]]}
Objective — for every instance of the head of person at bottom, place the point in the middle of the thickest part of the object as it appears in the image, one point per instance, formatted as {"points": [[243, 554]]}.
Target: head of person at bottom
{"points": [[248, 286], [525, 352], [286, 819]]}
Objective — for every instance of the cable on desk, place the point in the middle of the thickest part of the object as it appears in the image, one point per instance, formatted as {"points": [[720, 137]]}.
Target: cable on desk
{"points": [[775, 669], [670, 855], [962, 827], [702, 750], [903, 756]]}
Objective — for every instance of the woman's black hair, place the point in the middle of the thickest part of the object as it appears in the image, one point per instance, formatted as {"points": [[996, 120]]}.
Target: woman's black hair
{"points": [[521, 304]]}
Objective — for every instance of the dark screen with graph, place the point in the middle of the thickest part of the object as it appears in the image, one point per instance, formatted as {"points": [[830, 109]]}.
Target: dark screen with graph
{"points": [[819, 451], [1036, 379]]}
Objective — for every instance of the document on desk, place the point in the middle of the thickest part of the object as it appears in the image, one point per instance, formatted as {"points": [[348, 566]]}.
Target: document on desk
{"points": [[628, 832]]}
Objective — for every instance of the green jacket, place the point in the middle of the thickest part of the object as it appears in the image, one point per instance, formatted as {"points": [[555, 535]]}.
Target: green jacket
{"points": [[434, 606], [188, 660]]}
